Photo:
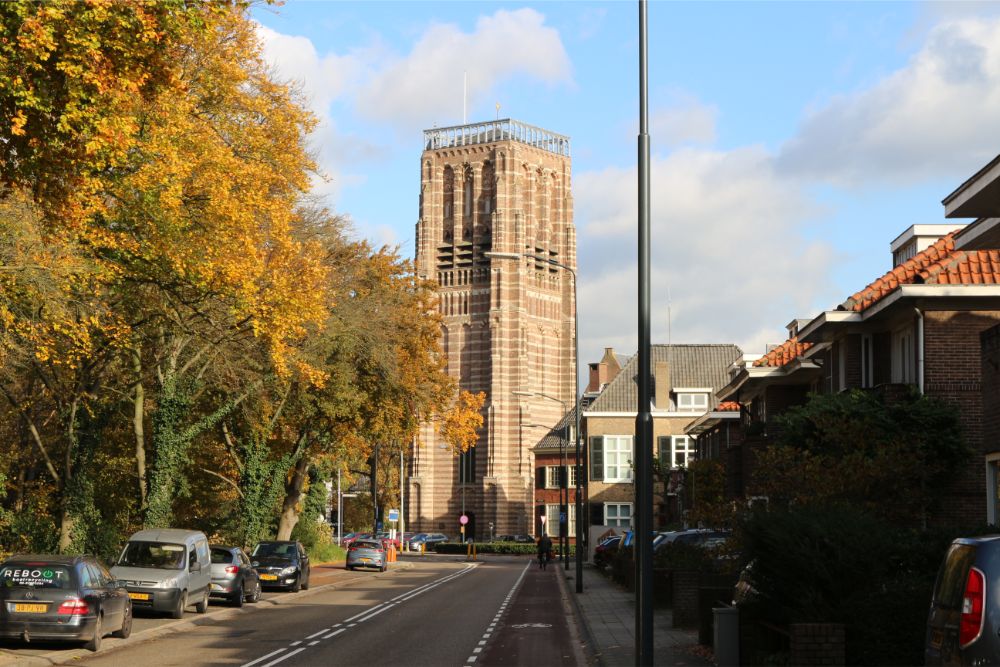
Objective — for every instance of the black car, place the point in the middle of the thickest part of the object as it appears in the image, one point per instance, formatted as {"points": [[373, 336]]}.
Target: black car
{"points": [[233, 577], [281, 564], [63, 598]]}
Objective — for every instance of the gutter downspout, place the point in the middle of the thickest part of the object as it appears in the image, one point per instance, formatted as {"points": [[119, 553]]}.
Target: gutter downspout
{"points": [[920, 349]]}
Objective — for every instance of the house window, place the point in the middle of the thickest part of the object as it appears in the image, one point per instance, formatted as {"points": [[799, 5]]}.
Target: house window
{"points": [[903, 356], [692, 402], [552, 519], [681, 451], [866, 361], [617, 458], [992, 487], [618, 514], [552, 477]]}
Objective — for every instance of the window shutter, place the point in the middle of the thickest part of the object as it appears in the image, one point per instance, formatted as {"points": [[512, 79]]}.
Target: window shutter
{"points": [[563, 479], [540, 477], [597, 458], [597, 514]]}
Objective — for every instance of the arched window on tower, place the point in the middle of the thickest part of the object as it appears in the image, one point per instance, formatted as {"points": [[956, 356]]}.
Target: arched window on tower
{"points": [[488, 189], [467, 193], [449, 193]]}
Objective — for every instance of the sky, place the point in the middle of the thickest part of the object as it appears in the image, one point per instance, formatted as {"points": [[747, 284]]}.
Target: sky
{"points": [[791, 142]]}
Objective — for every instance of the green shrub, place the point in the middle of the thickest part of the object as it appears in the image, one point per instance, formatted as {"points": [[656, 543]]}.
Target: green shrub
{"points": [[839, 564], [522, 548]]}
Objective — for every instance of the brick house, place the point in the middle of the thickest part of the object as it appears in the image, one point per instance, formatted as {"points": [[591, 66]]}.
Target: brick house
{"points": [[926, 323], [685, 380], [555, 457]]}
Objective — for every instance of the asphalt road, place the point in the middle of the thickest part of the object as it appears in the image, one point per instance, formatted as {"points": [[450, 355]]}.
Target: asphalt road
{"points": [[431, 611]]}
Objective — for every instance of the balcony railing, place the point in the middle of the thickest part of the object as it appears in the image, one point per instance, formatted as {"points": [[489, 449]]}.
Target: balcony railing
{"points": [[497, 130]]}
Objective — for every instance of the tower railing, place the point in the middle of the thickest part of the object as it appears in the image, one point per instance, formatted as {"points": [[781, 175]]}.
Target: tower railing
{"points": [[504, 129]]}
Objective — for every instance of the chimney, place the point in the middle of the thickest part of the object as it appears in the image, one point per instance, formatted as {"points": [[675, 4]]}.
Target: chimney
{"points": [[603, 371], [661, 385], [595, 378]]}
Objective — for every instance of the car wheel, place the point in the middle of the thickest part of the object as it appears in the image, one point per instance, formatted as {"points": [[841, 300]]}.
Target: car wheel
{"points": [[255, 596], [182, 603], [350, 568], [297, 586], [95, 643], [202, 606], [305, 584], [126, 629], [237, 599]]}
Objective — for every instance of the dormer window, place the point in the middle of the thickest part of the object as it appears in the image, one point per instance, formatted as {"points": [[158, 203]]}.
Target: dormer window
{"points": [[692, 402]]}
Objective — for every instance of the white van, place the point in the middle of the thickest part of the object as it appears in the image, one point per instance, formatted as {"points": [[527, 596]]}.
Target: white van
{"points": [[166, 569]]}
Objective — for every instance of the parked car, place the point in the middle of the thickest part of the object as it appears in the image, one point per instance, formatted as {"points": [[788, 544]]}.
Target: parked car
{"points": [[385, 538], [164, 569], [350, 537], [281, 564], [62, 598], [416, 540], [964, 619], [433, 538], [233, 577], [604, 551], [703, 537], [367, 553]]}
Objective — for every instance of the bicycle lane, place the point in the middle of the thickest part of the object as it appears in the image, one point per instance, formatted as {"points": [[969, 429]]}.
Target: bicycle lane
{"points": [[538, 627]]}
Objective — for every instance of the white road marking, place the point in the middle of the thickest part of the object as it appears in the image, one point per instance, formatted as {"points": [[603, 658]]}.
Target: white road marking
{"points": [[263, 658], [316, 634], [334, 633], [285, 657], [503, 606]]}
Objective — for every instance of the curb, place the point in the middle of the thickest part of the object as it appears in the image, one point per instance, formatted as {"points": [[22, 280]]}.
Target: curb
{"points": [[571, 607], [194, 620], [595, 652]]}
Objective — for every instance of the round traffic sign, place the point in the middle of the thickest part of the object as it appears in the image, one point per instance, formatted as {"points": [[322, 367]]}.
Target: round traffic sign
{"points": [[463, 519]]}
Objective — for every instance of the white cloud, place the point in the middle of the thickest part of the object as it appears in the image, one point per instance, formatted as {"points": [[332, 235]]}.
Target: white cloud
{"points": [[684, 120], [426, 86], [937, 115], [727, 252]]}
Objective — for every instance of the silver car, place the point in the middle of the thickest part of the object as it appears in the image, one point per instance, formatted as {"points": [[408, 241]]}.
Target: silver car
{"points": [[233, 577], [366, 553]]}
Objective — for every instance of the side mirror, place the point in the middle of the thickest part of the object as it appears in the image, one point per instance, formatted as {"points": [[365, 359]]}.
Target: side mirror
{"points": [[194, 567], [119, 583]]}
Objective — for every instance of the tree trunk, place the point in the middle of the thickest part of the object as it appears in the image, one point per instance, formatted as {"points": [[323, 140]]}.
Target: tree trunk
{"points": [[293, 494], [66, 519], [138, 415]]}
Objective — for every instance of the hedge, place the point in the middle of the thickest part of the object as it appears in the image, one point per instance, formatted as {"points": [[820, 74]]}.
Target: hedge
{"points": [[518, 548]]}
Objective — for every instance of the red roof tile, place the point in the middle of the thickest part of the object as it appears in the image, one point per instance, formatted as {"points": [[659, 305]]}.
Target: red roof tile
{"points": [[785, 353], [728, 406], [940, 264]]}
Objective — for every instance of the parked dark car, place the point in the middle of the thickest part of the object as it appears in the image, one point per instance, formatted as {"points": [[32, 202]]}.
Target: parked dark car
{"points": [[964, 619], [71, 598], [702, 537], [233, 577], [604, 551], [281, 564]]}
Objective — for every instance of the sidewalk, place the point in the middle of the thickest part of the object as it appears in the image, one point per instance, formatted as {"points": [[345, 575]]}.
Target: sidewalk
{"points": [[607, 614]]}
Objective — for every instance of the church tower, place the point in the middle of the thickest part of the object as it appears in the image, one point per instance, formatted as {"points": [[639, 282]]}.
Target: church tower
{"points": [[508, 323]]}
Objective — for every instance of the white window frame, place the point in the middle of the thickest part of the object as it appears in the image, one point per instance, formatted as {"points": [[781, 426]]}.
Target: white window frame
{"points": [[683, 446], [689, 397], [867, 363], [619, 520], [904, 367], [618, 460], [552, 476], [992, 480], [552, 519]]}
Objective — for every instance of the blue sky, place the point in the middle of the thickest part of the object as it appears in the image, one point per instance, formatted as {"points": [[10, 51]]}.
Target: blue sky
{"points": [[791, 142]]}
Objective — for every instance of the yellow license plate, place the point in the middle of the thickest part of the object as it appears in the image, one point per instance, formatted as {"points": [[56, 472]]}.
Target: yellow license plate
{"points": [[269, 577], [30, 608], [937, 638], [139, 596]]}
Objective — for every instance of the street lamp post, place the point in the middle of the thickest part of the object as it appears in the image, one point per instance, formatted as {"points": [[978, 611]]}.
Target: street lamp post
{"points": [[576, 401]]}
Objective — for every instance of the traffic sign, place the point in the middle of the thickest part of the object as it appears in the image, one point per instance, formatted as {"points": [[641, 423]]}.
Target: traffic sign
{"points": [[463, 519], [393, 515]]}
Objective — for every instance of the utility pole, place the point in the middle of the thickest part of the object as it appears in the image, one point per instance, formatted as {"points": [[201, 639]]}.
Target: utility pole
{"points": [[375, 488], [402, 503], [340, 512]]}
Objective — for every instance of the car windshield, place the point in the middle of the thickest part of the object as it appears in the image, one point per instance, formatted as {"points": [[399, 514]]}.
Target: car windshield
{"points": [[364, 544], [34, 575], [278, 549], [153, 554]]}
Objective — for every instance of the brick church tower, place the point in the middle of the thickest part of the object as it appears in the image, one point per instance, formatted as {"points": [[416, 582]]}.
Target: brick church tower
{"points": [[499, 186]]}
